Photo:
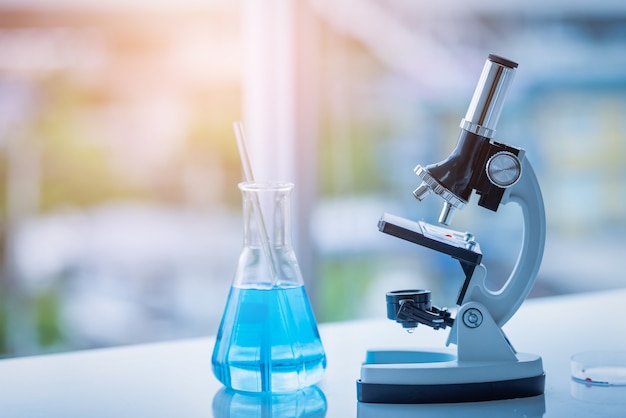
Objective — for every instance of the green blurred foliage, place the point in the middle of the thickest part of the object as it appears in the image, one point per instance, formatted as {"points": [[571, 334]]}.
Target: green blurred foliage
{"points": [[211, 139], [47, 313], [75, 165], [75, 169], [344, 281]]}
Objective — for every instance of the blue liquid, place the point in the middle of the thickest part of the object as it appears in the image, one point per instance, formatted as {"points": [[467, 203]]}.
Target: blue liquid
{"points": [[268, 341]]}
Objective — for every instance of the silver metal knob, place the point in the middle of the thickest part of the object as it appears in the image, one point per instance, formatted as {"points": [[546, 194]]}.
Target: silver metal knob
{"points": [[504, 169]]}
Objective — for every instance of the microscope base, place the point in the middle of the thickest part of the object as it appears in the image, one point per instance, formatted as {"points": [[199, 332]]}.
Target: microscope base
{"points": [[422, 377]]}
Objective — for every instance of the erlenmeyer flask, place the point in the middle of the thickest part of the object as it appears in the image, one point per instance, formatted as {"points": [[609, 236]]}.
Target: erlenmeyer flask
{"points": [[268, 339]]}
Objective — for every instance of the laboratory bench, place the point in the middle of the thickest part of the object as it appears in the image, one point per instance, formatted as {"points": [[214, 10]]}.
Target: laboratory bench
{"points": [[174, 379]]}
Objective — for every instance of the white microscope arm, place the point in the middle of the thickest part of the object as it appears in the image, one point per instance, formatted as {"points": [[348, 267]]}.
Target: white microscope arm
{"points": [[503, 303]]}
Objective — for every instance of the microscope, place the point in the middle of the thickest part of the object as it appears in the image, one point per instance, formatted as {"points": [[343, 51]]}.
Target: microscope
{"points": [[485, 365]]}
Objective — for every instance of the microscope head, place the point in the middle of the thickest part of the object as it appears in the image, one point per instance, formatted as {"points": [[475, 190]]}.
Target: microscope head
{"points": [[477, 163]]}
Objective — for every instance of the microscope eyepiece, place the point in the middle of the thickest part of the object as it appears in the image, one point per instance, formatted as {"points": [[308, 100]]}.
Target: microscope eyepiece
{"points": [[484, 110], [502, 61]]}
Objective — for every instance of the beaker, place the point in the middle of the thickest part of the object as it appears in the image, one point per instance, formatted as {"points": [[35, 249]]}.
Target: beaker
{"points": [[268, 339]]}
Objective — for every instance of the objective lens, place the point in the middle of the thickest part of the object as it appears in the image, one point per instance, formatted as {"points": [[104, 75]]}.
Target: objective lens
{"points": [[446, 214], [421, 192]]}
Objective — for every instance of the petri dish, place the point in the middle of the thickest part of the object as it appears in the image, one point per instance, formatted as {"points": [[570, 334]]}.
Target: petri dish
{"points": [[599, 368]]}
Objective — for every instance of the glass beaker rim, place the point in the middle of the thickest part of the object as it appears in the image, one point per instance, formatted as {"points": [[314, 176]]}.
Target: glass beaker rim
{"points": [[250, 186]]}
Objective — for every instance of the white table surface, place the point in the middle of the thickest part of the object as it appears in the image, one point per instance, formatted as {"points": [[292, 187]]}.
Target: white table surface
{"points": [[174, 379]]}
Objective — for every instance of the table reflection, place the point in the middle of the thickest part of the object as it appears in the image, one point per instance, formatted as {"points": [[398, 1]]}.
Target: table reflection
{"points": [[307, 403], [532, 407], [600, 394]]}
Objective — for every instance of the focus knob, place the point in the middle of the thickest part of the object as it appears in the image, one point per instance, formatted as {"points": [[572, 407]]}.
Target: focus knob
{"points": [[503, 169]]}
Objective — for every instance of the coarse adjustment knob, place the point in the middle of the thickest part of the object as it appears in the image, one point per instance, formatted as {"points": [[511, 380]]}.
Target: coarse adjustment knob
{"points": [[504, 169]]}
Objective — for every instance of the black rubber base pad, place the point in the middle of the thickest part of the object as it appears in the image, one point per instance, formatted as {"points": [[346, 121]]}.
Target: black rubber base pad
{"points": [[450, 393]]}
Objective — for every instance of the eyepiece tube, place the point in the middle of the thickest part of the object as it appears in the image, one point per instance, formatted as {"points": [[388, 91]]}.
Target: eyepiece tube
{"points": [[486, 105]]}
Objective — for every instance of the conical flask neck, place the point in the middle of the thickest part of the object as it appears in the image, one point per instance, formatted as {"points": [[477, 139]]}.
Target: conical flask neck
{"points": [[267, 216], [267, 258]]}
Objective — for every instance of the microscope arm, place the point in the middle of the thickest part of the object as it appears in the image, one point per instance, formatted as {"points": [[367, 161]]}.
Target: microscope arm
{"points": [[503, 303]]}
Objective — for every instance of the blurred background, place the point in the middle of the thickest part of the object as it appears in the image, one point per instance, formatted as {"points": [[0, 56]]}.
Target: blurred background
{"points": [[120, 214]]}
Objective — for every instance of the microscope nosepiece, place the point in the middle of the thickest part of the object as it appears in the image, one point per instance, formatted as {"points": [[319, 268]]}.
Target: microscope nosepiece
{"points": [[431, 184]]}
